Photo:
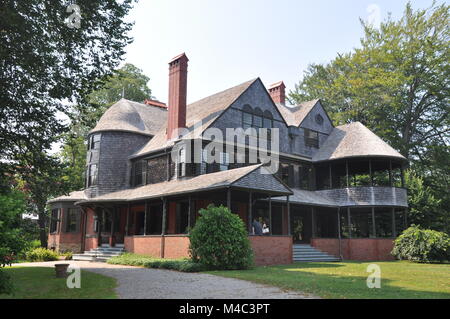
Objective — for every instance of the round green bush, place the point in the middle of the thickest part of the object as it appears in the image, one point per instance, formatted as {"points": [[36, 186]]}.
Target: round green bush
{"points": [[41, 254], [422, 245], [219, 240]]}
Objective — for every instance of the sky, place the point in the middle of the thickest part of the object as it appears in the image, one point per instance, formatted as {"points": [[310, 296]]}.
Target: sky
{"points": [[232, 41]]}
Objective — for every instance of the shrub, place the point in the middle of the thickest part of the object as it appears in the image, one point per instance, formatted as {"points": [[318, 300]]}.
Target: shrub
{"points": [[219, 240], [5, 283], [422, 245], [67, 255], [41, 254], [183, 265]]}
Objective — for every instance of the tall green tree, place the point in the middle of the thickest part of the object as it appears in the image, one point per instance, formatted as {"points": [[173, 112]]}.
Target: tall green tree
{"points": [[52, 54], [397, 84]]}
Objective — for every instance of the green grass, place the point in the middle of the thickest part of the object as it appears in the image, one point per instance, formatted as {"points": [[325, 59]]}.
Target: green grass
{"points": [[40, 283], [399, 279]]}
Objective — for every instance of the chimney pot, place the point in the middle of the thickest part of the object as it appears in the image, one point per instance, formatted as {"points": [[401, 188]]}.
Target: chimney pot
{"points": [[277, 92]]}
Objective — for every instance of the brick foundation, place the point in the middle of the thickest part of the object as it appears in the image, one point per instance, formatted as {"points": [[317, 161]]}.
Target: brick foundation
{"points": [[64, 242], [272, 250], [364, 249]]}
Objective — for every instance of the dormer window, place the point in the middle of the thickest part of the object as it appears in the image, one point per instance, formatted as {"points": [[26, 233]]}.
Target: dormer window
{"points": [[311, 138], [92, 175]]}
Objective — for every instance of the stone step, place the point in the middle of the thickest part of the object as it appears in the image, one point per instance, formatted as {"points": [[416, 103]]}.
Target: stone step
{"points": [[307, 253], [309, 260]]}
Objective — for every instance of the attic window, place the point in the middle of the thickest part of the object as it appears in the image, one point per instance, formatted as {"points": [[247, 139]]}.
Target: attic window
{"points": [[319, 119], [311, 138], [94, 142]]}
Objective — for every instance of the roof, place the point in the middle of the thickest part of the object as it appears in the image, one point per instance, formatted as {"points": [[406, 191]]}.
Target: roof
{"points": [[235, 177], [354, 140], [72, 197], [133, 117], [294, 115], [204, 111], [308, 198]]}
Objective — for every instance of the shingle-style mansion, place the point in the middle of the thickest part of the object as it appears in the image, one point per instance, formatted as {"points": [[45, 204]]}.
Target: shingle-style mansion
{"points": [[338, 192]]}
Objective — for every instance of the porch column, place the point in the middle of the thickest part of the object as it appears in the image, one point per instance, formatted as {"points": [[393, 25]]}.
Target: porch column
{"points": [[127, 225], [370, 173], [270, 215], [339, 223], [394, 231], [189, 213], [288, 215], [164, 217], [374, 230], [113, 218], [349, 223], [145, 217], [346, 172], [163, 231], [390, 174], [313, 224], [250, 213], [229, 198]]}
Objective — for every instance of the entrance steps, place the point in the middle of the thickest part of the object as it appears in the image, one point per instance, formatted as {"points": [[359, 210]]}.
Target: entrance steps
{"points": [[102, 253], [307, 253]]}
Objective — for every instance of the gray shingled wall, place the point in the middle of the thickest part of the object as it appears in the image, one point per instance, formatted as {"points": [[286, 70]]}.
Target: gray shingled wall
{"points": [[113, 165]]}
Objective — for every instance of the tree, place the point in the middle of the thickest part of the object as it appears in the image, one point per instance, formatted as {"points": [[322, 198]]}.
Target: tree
{"points": [[41, 178], [128, 81], [12, 205], [424, 207], [397, 84], [46, 62]]}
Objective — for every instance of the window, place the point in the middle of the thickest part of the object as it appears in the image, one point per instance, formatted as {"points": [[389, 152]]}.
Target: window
{"points": [[72, 220], [319, 119], [139, 173], [92, 174], [305, 172], [94, 142], [361, 223], [181, 165], [287, 174], [383, 222], [311, 138], [54, 221], [247, 120], [257, 119], [224, 161], [323, 176]]}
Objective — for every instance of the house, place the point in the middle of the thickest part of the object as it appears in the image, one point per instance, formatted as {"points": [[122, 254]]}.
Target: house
{"points": [[337, 190]]}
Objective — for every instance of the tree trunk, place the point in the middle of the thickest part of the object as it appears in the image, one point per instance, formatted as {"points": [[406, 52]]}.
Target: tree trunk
{"points": [[42, 229]]}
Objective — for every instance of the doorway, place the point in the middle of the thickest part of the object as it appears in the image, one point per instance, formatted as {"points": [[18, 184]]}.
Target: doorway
{"points": [[301, 225]]}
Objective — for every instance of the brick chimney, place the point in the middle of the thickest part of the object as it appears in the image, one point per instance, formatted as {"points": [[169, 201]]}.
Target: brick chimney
{"points": [[277, 92], [177, 95]]}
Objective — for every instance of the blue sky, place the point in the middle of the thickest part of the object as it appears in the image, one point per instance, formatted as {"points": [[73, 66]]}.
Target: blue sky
{"points": [[231, 41]]}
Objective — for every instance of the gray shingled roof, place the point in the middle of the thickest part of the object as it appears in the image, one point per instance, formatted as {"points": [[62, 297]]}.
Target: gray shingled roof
{"points": [[294, 115], [133, 117], [308, 198], [354, 140], [72, 197], [195, 184], [205, 111]]}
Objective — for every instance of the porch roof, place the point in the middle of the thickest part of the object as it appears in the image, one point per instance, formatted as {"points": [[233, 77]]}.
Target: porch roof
{"points": [[307, 198], [255, 178], [72, 197]]}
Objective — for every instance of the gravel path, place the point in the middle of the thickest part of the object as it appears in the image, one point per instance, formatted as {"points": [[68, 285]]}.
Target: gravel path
{"points": [[144, 283]]}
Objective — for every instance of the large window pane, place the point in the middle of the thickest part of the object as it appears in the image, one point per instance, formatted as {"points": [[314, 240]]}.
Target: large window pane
{"points": [[326, 223], [383, 222], [338, 175], [72, 220], [361, 222], [400, 220], [323, 177], [359, 173], [345, 229], [380, 173], [154, 220]]}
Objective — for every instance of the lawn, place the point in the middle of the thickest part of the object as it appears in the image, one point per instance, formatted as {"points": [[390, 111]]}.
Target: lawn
{"points": [[40, 283], [399, 279]]}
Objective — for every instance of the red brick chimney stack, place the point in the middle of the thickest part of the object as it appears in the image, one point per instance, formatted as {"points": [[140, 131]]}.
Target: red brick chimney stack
{"points": [[177, 95], [277, 92]]}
